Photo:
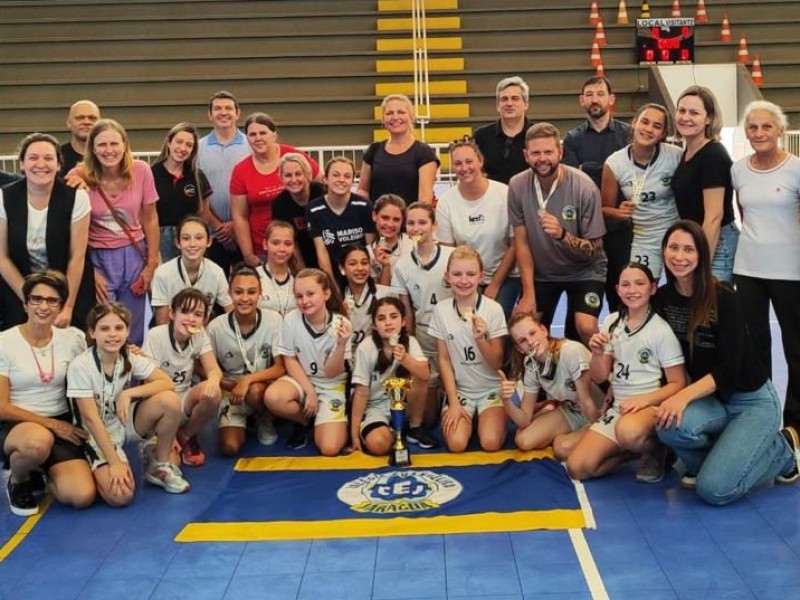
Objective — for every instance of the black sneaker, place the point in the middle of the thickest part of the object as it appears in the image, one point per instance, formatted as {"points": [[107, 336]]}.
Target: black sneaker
{"points": [[298, 438], [38, 482], [421, 437], [792, 437], [20, 498]]}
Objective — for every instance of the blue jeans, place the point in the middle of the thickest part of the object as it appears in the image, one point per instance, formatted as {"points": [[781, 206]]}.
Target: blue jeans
{"points": [[508, 295], [722, 263], [731, 446], [167, 246]]}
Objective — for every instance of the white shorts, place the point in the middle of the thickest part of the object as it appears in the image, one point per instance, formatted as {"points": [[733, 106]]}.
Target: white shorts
{"points": [[478, 403], [573, 415], [97, 457], [428, 344], [232, 415], [374, 417], [330, 401]]}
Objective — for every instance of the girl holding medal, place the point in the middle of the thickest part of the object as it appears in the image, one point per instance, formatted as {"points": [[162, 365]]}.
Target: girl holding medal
{"points": [[388, 352], [634, 349], [176, 346], [277, 283], [360, 290], [643, 171], [112, 413], [245, 343], [560, 367], [190, 270], [470, 331], [418, 280], [389, 214], [315, 343]]}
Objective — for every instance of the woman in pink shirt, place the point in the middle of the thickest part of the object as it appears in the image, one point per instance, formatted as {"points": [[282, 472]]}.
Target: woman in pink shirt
{"points": [[256, 182]]}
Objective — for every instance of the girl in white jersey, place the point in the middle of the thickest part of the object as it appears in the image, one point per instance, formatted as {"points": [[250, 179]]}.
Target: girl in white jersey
{"points": [[643, 171], [245, 343], [176, 346], [190, 269], [418, 280], [560, 367], [97, 381], [315, 343], [633, 350], [388, 352], [276, 277], [389, 213], [360, 290], [470, 331]]}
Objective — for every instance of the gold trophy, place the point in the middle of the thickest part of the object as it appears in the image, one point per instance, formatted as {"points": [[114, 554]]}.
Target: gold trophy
{"points": [[396, 389]]}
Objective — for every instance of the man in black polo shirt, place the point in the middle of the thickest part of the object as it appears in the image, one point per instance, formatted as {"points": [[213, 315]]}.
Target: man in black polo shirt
{"points": [[502, 143], [82, 117], [587, 147]]}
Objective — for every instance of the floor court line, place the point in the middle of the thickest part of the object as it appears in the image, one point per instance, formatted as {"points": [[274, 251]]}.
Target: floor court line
{"points": [[588, 566], [27, 526]]}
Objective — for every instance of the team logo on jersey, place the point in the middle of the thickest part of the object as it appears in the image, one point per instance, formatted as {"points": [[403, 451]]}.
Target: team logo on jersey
{"points": [[189, 190], [592, 300], [568, 213], [450, 336], [570, 385], [328, 237], [644, 356], [666, 181], [336, 405], [229, 354], [476, 219], [399, 492], [265, 350], [165, 364]]}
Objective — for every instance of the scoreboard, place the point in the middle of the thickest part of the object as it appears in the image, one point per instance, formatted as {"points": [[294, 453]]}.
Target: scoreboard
{"points": [[665, 41]]}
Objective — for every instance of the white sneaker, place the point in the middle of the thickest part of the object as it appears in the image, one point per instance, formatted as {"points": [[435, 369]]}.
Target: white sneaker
{"points": [[167, 476], [267, 435]]}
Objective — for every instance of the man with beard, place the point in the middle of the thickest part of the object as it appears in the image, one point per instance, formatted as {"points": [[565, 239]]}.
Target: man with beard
{"points": [[82, 117], [558, 226], [502, 143], [587, 147]]}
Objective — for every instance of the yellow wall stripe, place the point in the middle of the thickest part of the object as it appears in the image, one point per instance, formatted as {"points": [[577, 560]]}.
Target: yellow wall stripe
{"points": [[437, 88], [24, 529], [431, 23], [358, 460], [438, 111], [403, 65], [407, 44], [405, 5], [349, 528]]}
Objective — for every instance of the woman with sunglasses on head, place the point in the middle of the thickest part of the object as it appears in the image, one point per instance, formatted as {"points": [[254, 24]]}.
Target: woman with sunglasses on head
{"points": [[50, 230], [36, 431]]}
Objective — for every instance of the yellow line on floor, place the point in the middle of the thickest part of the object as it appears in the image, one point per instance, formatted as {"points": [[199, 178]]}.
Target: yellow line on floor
{"points": [[24, 529]]}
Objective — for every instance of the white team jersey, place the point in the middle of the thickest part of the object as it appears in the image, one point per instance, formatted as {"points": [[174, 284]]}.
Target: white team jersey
{"points": [[481, 224], [401, 248], [276, 295], [558, 382], [248, 353], [85, 379], [170, 278], [358, 310], [364, 372], [177, 362], [656, 209], [474, 377], [310, 348], [424, 285], [640, 355], [18, 363]]}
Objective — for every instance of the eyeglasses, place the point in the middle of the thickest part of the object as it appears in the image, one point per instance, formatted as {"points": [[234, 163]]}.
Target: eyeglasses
{"points": [[49, 300]]}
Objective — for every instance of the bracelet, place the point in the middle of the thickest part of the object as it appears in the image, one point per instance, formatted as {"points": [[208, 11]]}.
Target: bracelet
{"points": [[563, 234]]}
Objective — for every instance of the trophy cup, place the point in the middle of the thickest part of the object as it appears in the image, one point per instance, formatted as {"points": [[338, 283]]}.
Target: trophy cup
{"points": [[396, 389]]}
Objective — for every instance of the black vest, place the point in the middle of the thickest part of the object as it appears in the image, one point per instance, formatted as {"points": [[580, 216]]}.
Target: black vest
{"points": [[57, 242]]}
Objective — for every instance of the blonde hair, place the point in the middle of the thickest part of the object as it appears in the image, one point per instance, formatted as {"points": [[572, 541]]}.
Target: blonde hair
{"points": [[297, 158], [92, 169], [400, 98], [464, 252]]}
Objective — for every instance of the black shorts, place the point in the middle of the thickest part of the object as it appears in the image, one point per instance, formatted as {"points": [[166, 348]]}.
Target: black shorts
{"points": [[62, 450], [582, 297]]}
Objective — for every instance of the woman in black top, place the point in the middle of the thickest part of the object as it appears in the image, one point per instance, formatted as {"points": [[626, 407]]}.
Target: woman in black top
{"points": [[724, 425], [702, 181], [178, 179]]}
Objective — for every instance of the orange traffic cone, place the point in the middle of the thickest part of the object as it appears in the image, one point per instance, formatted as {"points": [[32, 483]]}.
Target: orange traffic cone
{"points": [[645, 10], [622, 13], [676, 9], [600, 34], [725, 33], [600, 71], [594, 14], [742, 55], [702, 15], [594, 57], [758, 76]]}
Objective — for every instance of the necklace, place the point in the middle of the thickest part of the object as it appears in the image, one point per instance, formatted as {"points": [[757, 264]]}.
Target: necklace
{"points": [[250, 366], [45, 378], [537, 187], [638, 184], [108, 404], [283, 291]]}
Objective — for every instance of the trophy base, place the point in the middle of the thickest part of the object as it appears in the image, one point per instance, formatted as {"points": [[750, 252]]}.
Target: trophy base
{"points": [[400, 457]]}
